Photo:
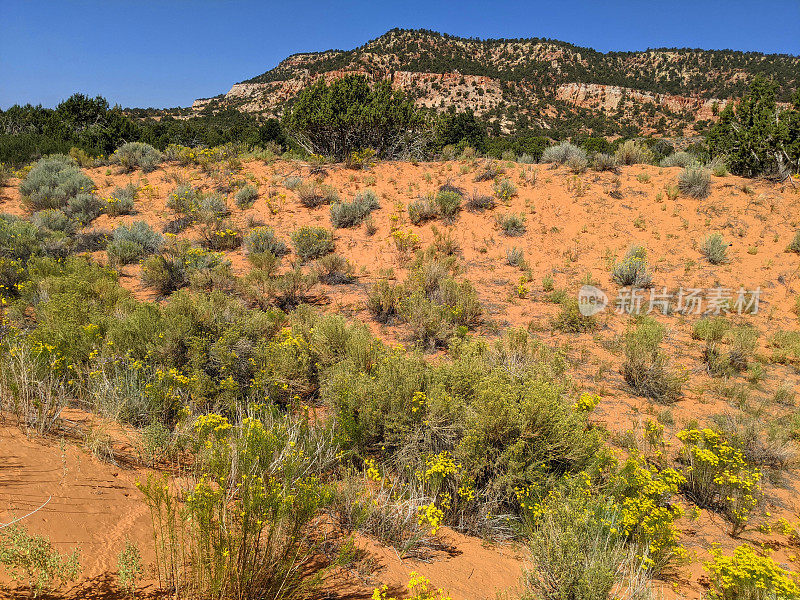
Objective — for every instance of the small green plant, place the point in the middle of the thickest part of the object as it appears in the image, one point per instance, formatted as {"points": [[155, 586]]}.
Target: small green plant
{"points": [[351, 214], [646, 367], [718, 476], [315, 194], [334, 269], [312, 242], [448, 203], [633, 269], [746, 575], [632, 152], [134, 155], [129, 567], [263, 239], [120, 202], [715, 249], [247, 196], [515, 257], [679, 159], [422, 209], [133, 242], [491, 170], [511, 225], [505, 189], [794, 245], [32, 560], [571, 320], [604, 162], [695, 182], [480, 202]]}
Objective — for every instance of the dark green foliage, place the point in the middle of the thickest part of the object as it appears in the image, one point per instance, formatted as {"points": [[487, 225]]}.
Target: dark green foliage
{"points": [[754, 136], [348, 115], [460, 129]]}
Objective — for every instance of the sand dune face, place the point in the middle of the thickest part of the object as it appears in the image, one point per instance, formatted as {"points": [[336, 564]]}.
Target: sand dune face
{"points": [[576, 228]]}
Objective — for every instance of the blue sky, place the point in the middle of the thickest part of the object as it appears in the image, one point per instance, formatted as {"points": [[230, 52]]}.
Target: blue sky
{"points": [[166, 53]]}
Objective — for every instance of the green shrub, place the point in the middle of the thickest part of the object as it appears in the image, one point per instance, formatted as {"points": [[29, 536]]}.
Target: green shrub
{"points": [[246, 197], [511, 225], [633, 269], [422, 209], [121, 201], [210, 208], [334, 269], [244, 532], [715, 249], [263, 239], [646, 368], [32, 560], [133, 155], [747, 575], [571, 320], [577, 552], [633, 153], [53, 182], [577, 164], [794, 245], [85, 208], [292, 182], [478, 202], [718, 166], [383, 301], [131, 243], [515, 257], [695, 182], [178, 263], [129, 567], [184, 200], [312, 242], [448, 203], [679, 159], [351, 214], [53, 219], [491, 169], [562, 153], [505, 189], [315, 194], [19, 239], [718, 476]]}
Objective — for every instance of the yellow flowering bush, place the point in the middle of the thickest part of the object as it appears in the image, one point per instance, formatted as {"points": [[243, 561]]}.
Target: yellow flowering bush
{"points": [[746, 575], [587, 402], [418, 585], [719, 477]]}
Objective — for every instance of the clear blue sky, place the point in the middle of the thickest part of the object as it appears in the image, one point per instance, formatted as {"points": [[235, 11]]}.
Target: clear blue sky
{"points": [[168, 52]]}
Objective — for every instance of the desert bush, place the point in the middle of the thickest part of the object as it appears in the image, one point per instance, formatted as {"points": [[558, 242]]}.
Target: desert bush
{"points": [[351, 214], [244, 530], [577, 164], [794, 245], [489, 171], [292, 182], [633, 153], [184, 200], [422, 209], [334, 269], [477, 202], [121, 201], [562, 153], [715, 249], [383, 301], [695, 182], [5, 174], [504, 189], [718, 166], [85, 208], [263, 239], [577, 552], [32, 560], [511, 225], [178, 263], [633, 269], [246, 197], [448, 203], [210, 208], [53, 219], [315, 194], [646, 367], [53, 182], [718, 476], [747, 575], [133, 242], [129, 567], [571, 320], [222, 236], [133, 155], [679, 159], [312, 242], [515, 257]]}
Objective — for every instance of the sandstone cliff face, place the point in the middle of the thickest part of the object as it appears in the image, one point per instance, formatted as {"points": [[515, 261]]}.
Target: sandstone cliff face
{"points": [[528, 82]]}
